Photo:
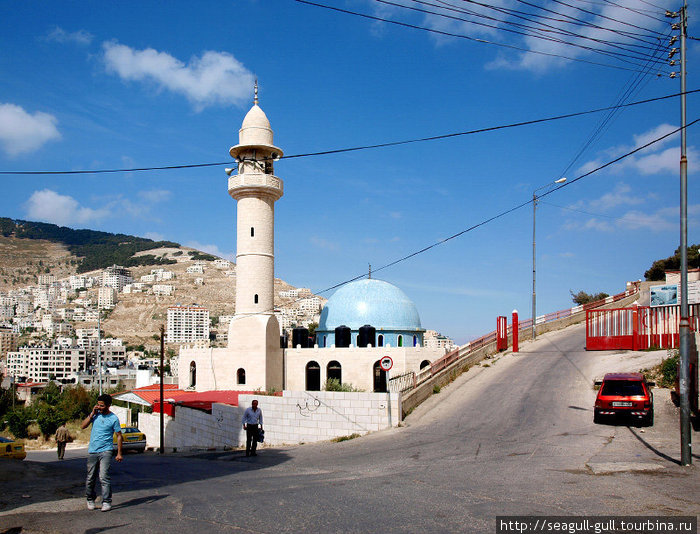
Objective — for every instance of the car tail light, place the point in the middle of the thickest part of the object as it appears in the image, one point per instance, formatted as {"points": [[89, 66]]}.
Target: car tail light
{"points": [[647, 404]]}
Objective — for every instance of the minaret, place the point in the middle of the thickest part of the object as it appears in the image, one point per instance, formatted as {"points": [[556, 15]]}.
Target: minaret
{"points": [[254, 332]]}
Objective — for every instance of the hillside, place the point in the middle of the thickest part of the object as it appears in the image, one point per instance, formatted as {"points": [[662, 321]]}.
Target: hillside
{"points": [[93, 249]]}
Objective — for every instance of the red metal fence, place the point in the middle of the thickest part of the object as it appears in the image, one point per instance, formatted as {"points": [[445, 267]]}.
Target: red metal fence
{"points": [[637, 328]]}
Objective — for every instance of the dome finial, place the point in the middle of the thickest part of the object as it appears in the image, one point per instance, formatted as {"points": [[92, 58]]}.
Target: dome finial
{"points": [[255, 100]]}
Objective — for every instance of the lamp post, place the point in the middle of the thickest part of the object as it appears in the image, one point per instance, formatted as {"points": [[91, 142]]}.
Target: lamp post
{"points": [[534, 294]]}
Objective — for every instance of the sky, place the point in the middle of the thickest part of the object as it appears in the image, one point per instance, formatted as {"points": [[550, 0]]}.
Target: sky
{"points": [[154, 84]]}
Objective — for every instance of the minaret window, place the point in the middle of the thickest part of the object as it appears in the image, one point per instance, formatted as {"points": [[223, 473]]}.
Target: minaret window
{"points": [[268, 167], [252, 232], [256, 298], [241, 376]]}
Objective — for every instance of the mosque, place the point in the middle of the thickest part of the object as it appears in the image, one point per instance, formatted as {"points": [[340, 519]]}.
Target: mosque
{"points": [[362, 322]]}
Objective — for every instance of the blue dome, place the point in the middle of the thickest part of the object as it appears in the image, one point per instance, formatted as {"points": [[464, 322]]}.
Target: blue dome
{"points": [[373, 302]]}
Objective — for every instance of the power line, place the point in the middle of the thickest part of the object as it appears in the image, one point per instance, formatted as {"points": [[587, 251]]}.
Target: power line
{"points": [[530, 31], [364, 147], [581, 211], [461, 36]]}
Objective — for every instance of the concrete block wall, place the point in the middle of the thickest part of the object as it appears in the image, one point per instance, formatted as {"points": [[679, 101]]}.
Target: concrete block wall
{"points": [[296, 417]]}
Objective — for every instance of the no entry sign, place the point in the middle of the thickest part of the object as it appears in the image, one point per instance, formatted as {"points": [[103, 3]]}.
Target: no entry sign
{"points": [[386, 363]]}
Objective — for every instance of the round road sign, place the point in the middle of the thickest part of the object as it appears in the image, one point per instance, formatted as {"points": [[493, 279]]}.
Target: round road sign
{"points": [[386, 363]]}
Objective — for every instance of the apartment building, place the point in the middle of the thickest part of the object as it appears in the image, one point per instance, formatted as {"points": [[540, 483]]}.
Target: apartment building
{"points": [[187, 324], [8, 341], [163, 289], [37, 364], [116, 277]]}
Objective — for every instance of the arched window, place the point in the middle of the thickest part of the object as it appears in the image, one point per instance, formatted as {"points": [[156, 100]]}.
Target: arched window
{"points": [[334, 370], [193, 374], [256, 298], [400, 341], [325, 337], [424, 364], [252, 232], [379, 378], [415, 341], [380, 340], [313, 376], [240, 374]]}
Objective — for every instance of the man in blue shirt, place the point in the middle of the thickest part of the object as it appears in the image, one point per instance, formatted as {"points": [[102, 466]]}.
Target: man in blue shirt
{"points": [[101, 449], [252, 424]]}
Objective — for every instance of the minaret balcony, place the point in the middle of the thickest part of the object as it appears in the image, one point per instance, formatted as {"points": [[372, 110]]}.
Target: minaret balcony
{"points": [[255, 183]]}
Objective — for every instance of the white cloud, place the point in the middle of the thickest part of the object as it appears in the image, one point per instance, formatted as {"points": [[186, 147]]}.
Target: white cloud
{"points": [[156, 196], [211, 249], [321, 243], [22, 132], [60, 35], [620, 196], [48, 206], [654, 159], [213, 78]]}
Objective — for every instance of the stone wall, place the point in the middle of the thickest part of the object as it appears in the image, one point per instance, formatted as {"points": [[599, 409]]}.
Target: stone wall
{"points": [[296, 417]]}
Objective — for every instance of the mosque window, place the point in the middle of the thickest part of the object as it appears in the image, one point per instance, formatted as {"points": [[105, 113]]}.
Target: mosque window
{"points": [[193, 374], [400, 341], [380, 340], [313, 376], [424, 364], [256, 298], [415, 341], [240, 374], [252, 232], [335, 371], [379, 378], [325, 338]]}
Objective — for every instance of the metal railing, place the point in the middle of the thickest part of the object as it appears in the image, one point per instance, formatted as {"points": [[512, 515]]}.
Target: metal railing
{"points": [[403, 382]]}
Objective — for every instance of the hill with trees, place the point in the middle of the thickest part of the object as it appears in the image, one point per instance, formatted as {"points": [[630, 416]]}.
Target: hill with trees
{"points": [[658, 269], [96, 250]]}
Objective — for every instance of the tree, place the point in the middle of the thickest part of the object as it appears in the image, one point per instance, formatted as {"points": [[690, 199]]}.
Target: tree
{"points": [[51, 394], [18, 421], [75, 402], [658, 269], [582, 297], [49, 419], [312, 328]]}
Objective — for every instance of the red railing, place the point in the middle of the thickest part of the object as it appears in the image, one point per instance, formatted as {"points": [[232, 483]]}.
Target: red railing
{"points": [[475, 344]]}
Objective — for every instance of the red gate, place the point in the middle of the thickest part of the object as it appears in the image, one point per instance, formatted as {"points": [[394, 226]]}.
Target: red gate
{"points": [[636, 328]]}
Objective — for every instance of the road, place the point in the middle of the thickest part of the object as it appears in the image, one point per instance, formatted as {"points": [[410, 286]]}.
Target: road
{"points": [[513, 436]]}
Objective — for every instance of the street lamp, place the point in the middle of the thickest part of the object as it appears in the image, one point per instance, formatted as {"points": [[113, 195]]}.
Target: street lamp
{"points": [[534, 211]]}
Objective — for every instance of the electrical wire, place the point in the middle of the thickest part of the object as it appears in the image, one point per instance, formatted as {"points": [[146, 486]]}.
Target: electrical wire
{"points": [[461, 36], [365, 147], [497, 216], [634, 54]]}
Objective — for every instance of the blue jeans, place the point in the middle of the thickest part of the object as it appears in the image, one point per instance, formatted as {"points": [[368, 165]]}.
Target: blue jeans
{"points": [[103, 460]]}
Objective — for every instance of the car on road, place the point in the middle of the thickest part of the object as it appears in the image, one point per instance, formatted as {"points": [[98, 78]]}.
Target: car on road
{"points": [[12, 448], [133, 439], [624, 395]]}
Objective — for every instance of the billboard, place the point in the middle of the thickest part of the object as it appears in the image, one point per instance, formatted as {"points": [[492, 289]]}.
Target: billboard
{"points": [[670, 295]]}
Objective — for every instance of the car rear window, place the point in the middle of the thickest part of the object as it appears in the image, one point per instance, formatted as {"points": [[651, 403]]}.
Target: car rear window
{"points": [[623, 388]]}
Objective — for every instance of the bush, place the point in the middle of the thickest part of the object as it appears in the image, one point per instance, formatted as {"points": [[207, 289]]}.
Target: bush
{"points": [[333, 384], [669, 369], [436, 389], [76, 402], [49, 418], [18, 421]]}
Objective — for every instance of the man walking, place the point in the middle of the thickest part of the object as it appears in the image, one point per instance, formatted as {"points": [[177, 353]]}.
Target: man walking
{"points": [[252, 424], [100, 450], [62, 437]]}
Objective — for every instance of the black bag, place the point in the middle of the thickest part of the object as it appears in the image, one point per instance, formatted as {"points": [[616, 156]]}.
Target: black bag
{"points": [[261, 436]]}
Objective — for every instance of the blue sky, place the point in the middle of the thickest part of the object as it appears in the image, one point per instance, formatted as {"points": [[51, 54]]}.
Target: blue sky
{"points": [[168, 83]]}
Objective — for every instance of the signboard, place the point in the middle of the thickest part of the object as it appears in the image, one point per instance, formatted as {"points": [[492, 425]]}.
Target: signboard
{"points": [[670, 295], [386, 363]]}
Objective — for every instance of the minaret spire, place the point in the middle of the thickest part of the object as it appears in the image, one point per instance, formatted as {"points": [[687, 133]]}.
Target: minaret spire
{"points": [[255, 100]]}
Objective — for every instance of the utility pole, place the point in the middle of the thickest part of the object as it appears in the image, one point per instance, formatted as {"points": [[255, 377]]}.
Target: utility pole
{"points": [[684, 330]]}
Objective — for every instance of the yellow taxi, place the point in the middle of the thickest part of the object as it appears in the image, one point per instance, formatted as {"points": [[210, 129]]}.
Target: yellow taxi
{"points": [[133, 439], [12, 448]]}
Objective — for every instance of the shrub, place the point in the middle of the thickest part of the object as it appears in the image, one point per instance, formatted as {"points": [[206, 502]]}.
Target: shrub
{"points": [[333, 384], [436, 389], [345, 438], [669, 369], [18, 421], [49, 418]]}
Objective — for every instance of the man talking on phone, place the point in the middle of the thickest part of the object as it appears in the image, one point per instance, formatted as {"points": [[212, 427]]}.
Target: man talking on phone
{"points": [[100, 451]]}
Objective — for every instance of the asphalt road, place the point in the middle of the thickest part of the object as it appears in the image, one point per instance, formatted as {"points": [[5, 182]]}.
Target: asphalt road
{"points": [[512, 437]]}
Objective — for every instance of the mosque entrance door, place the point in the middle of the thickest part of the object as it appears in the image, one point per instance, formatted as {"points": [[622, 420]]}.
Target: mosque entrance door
{"points": [[379, 378]]}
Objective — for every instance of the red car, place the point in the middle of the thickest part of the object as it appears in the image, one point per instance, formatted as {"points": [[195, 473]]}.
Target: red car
{"points": [[627, 395]]}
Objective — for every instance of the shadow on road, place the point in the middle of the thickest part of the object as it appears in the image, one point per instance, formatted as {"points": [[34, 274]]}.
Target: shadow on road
{"points": [[652, 448], [31, 482]]}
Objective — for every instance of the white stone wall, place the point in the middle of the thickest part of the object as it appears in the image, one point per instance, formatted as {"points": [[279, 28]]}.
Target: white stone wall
{"points": [[296, 417]]}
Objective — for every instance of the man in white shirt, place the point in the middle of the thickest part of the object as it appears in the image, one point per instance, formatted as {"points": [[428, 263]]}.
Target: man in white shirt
{"points": [[252, 424]]}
